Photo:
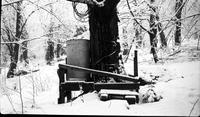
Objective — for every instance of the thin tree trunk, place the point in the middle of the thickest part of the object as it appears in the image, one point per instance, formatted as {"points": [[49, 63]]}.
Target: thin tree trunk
{"points": [[50, 48], [178, 10], [161, 32], [58, 49], [50, 52], [139, 40], [14, 57], [1, 78], [153, 32], [24, 55], [25, 52], [162, 35]]}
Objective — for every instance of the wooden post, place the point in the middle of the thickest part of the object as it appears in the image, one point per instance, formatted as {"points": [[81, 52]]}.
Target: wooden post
{"points": [[67, 93], [135, 63], [90, 86], [61, 73]]}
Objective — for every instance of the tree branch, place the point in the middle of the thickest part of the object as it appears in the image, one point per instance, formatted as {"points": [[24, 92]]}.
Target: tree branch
{"points": [[7, 4], [90, 2], [30, 16], [135, 19]]}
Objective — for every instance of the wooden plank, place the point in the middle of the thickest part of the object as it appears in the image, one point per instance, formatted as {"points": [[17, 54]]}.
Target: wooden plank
{"points": [[89, 86], [98, 72], [122, 86], [76, 86]]}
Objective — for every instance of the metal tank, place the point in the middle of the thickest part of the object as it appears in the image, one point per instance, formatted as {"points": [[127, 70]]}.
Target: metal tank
{"points": [[78, 54]]}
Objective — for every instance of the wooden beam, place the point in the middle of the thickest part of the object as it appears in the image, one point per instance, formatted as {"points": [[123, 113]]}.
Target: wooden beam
{"points": [[90, 86], [98, 72], [75, 86], [120, 86]]}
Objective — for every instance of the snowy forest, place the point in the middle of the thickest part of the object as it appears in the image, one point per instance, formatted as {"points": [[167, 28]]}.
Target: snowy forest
{"points": [[152, 43]]}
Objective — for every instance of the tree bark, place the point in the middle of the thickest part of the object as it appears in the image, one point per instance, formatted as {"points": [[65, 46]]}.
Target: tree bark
{"points": [[58, 49], [178, 10], [104, 48], [24, 56], [153, 32], [14, 56], [161, 32], [159, 27], [50, 52], [24, 48], [139, 40], [162, 35]]}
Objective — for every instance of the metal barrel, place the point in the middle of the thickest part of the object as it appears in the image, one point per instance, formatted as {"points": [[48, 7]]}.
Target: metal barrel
{"points": [[78, 54]]}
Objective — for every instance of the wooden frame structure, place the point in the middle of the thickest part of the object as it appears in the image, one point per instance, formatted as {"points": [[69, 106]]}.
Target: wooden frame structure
{"points": [[66, 86]]}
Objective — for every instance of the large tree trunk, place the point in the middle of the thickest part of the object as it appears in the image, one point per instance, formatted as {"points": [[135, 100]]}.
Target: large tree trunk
{"points": [[104, 48], [178, 11], [14, 56], [153, 32]]}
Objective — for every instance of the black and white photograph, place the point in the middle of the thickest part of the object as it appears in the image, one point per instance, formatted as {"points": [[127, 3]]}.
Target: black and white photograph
{"points": [[100, 57]]}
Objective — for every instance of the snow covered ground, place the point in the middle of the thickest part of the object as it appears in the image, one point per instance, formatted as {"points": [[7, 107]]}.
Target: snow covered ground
{"points": [[177, 81]]}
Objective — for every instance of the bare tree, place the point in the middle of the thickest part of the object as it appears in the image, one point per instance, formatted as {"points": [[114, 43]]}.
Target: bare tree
{"points": [[14, 39], [15, 51], [153, 28]]}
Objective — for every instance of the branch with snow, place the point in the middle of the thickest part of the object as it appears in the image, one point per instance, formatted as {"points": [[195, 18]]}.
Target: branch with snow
{"points": [[90, 2]]}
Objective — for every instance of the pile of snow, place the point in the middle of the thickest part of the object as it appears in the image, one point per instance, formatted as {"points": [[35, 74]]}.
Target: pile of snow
{"points": [[177, 81]]}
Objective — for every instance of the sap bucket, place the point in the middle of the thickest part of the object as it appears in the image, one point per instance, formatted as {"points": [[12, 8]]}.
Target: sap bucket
{"points": [[78, 54]]}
